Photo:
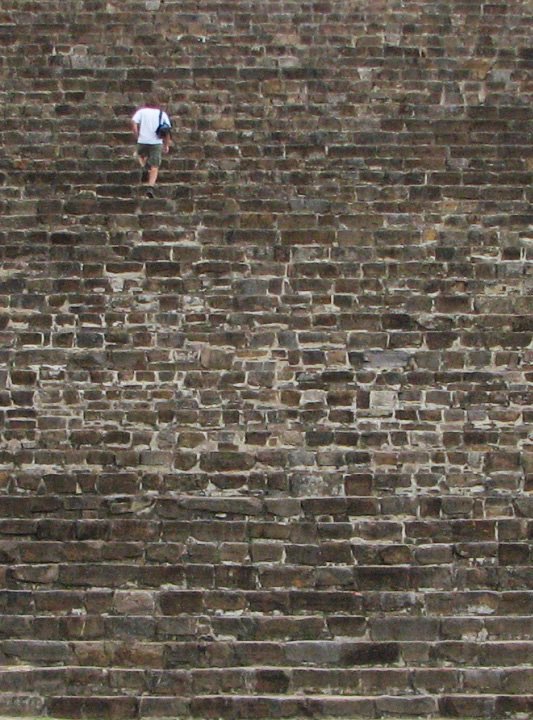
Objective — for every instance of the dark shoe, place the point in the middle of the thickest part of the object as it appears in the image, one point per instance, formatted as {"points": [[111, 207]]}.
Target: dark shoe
{"points": [[150, 192]]}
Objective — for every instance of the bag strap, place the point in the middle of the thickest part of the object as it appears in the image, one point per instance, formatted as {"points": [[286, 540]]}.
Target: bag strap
{"points": [[160, 116]]}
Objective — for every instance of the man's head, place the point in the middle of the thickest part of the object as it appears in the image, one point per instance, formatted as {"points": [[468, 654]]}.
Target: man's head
{"points": [[151, 100]]}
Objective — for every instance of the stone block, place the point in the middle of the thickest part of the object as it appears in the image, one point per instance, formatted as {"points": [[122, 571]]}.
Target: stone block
{"points": [[175, 603], [152, 707], [340, 707], [22, 704], [365, 653], [80, 707], [461, 706], [405, 629], [271, 681], [216, 359], [37, 651], [400, 706]]}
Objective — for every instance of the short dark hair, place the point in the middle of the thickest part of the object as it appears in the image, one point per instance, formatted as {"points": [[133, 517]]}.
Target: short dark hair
{"points": [[151, 100]]}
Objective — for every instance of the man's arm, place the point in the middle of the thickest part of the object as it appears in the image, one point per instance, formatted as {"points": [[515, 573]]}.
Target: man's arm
{"points": [[135, 129]]}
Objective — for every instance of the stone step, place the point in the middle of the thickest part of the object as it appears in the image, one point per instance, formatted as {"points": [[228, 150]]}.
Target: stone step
{"points": [[463, 604], [173, 654], [262, 554], [301, 541], [268, 576], [290, 520], [244, 550], [369, 682], [452, 518], [168, 615], [297, 707], [181, 166]]}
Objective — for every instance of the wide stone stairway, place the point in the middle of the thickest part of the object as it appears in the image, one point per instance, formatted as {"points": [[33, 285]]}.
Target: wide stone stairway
{"points": [[265, 439]]}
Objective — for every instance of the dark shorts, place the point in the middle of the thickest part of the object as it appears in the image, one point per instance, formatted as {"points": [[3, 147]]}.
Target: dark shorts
{"points": [[152, 153]]}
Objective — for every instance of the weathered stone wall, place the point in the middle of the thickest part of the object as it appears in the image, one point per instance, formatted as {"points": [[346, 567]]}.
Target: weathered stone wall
{"points": [[266, 438]]}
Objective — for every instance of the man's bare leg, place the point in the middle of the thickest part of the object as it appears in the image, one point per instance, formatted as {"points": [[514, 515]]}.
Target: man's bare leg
{"points": [[152, 176], [143, 160]]}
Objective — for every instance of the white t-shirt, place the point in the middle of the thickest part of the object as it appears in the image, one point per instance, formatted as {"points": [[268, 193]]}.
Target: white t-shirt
{"points": [[148, 119]]}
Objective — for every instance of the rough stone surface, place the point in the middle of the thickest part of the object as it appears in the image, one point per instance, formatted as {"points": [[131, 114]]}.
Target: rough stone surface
{"points": [[265, 439]]}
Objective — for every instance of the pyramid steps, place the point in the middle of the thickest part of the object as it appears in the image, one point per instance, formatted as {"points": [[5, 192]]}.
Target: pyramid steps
{"points": [[265, 438]]}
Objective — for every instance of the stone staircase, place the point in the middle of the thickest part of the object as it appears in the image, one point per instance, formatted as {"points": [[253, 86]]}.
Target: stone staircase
{"points": [[265, 439]]}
